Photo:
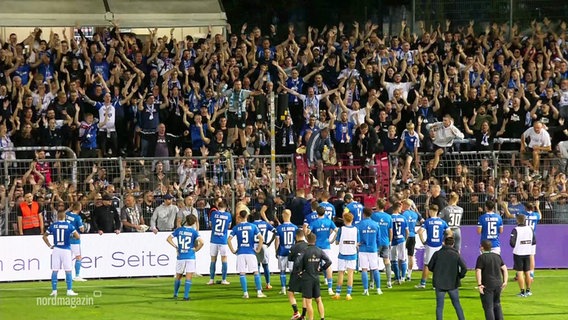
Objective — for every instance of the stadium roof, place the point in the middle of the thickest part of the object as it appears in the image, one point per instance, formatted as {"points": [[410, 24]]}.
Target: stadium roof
{"points": [[129, 13]]}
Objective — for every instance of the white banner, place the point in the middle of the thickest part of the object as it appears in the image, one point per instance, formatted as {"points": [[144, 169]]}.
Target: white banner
{"points": [[112, 255]]}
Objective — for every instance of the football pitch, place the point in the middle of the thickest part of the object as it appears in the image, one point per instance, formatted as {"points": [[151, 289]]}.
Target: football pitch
{"points": [[151, 298]]}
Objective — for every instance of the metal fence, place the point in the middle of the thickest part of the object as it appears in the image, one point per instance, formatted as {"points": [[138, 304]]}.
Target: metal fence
{"points": [[480, 176], [65, 179]]}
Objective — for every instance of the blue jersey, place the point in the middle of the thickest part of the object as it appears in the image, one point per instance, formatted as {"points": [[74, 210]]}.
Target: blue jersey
{"points": [[384, 221], [308, 219], [286, 234], [435, 228], [264, 227], [61, 231], [515, 209], [399, 228], [220, 224], [412, 218], [186, 240], [356, 209], [490, 224], [532, 219], [246, 234], [322, 228], [77, 223], [369, 235], [329, 209], [411, 141]]}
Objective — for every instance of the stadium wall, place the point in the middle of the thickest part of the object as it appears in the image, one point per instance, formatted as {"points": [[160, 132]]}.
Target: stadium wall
{"points": [[148, 254]]}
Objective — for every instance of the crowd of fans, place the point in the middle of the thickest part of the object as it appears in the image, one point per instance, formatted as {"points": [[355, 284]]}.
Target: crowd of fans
{"points": [[343, 95]]}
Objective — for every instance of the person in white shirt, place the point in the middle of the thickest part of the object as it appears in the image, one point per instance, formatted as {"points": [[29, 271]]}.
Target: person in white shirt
{"points": [[539, 142], [445, 133]]}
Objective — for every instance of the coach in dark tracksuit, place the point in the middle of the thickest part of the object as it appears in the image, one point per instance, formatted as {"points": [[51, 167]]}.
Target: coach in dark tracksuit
{"points": [[311, 266], [106, 218], [448, 268]]}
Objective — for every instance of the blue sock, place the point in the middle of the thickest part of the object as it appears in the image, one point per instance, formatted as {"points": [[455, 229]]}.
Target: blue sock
{"points": [[365, 280], [54, 280], [257, 282], [338, 289], [330, 283], [349, 289], [377, 277], [186, 289], [395, 270], [224, 270], [266, 272], [177, 283], [283, 280], [212, 270], [423, 282], [69, 280], [77, 267], [403, 269], [532, 274], [243, 279]]}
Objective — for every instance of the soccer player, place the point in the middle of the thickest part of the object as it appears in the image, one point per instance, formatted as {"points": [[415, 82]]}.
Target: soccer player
{"points": [[262, 256], [347, 239], [220, 224], [309, 218], [294, 285], [329, 208], [75, 219], [283, 242], [384, 221], [369, 234], [62, 231], [323, 229], [522, 241], [413, 219], [398, 250], [354, 207], [490, 225], [311, 263], [453, 214], [434, 228], [188, 243], [533, 217], [246, 232]]}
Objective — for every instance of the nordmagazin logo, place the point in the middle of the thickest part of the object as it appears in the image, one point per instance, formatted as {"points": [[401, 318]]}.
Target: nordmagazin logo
{"points": [[72, 302]]}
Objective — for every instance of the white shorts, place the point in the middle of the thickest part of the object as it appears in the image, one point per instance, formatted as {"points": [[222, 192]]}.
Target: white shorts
{"points": [[496, 250], [398, 252], [369, 260], [284, 264], [216, 249], [185, 266], [61, 259], [429, 252], [247, 263], [75, 250], [327, 252], [343, 265]]}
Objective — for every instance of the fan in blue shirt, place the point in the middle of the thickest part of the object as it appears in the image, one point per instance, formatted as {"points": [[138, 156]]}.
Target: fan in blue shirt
{"points": [[188, 243]]}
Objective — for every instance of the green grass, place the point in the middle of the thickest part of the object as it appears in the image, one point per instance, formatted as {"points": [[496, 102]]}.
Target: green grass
{"points": [[150, 298]]}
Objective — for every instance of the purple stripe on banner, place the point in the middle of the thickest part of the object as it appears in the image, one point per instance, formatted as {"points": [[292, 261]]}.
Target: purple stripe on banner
{"points": [[551, 246]]}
